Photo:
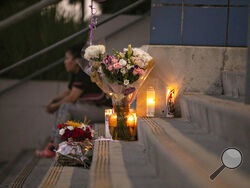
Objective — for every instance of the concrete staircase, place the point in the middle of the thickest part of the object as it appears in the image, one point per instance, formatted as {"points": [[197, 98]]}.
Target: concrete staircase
{"points": [[169, 153], [179, 152]]}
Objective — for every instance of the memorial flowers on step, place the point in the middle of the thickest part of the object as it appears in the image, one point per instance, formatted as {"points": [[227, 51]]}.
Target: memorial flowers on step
{"points": [[75, 131], [120, 75], [76, 147]]}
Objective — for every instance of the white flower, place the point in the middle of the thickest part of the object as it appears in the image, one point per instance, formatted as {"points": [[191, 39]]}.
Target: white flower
{"points": [[70, 128], [83, 127], [93, 52], [141, 63], [123, 71], [143, 56], [62, 131], [138, 52], [122, 62], [122, 54], [125, 50], [126, 82], [102, 49], [129, 66]]}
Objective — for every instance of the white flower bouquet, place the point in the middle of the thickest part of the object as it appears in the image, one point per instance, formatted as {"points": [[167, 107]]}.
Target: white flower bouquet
{"points": [[120, 76]]}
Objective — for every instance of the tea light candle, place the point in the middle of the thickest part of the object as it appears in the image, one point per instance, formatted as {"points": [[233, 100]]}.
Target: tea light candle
{"points": [[113, 120], [132, 123], [150, 102], [131, 120]]}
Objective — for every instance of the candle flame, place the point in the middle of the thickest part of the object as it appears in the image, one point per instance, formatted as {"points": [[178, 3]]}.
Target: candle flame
{"points": [[108, 111], [132, 120], [150, 101]]}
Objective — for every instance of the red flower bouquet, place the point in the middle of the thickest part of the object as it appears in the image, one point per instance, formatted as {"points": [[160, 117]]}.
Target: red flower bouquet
{"points": [[76, 148]]}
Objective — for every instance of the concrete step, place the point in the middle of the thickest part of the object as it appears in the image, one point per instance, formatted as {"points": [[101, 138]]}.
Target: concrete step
{"points": [[122, 164], [23, 163], [169, 153], [26, 170], [186, 156], [225, 118], [234, 83]]}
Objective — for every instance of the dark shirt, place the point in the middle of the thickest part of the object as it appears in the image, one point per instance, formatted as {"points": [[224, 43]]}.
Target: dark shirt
{"points": [[91, 92]]}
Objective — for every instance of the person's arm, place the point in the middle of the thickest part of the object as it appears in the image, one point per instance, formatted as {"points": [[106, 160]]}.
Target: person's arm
{"points": [[60, 96], [72, 97]]}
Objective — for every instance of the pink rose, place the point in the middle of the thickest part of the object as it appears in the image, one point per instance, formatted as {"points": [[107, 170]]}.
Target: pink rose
{"points": [[138, 71], [135, 72], [117, 66], [114, 60], [141, 71], [110, 67]]}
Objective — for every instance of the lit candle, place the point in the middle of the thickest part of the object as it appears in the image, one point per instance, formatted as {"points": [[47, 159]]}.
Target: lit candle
{"points": [[150, 102], [131, 120], [113, 120], [170, 97], [132, 123], [108, 112]]}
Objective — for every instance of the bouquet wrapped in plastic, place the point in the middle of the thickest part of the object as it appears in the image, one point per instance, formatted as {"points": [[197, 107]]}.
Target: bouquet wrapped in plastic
{"points": [[76, 148], [120, 76]]}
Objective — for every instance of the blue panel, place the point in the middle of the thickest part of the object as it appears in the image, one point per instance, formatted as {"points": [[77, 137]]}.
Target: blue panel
{"points": [[165, 25], [239, 2], [207, 2], [204, 26], [167, 1], [238, 25]]}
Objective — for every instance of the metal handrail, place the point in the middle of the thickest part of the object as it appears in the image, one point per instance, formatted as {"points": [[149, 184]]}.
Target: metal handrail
{"points": [[43, 51], [27, 78], [25, 13]]}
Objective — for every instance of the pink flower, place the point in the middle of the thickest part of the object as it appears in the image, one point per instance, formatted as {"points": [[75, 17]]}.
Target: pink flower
{"points": [[135, 72], [138, 71], [141, 71], [117, 66], [114, 60], [110, 67]]}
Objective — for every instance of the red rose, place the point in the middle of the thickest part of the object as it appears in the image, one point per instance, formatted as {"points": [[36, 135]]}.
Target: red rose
{"points": [[61, 125], [78, 134], [89, 136], [88, 133], [66, 135]]}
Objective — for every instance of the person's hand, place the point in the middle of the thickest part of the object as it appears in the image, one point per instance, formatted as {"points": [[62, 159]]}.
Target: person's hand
{"points": [[53, 101], [50, 108]]}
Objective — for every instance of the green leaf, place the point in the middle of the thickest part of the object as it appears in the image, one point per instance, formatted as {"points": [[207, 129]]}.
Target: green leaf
{"points": [[130, 51]]}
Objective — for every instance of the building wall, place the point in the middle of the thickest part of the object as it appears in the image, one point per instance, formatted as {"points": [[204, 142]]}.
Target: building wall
{"points": [[199, 22], [189, 69]]}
